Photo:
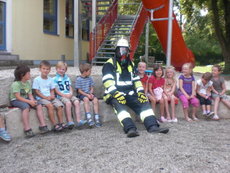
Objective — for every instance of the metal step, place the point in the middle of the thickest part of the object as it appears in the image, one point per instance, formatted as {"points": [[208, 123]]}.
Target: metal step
{"points": [[106, 53]]}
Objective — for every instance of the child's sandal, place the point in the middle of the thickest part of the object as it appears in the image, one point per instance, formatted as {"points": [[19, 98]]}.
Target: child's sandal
{"points": [[57, 128]]}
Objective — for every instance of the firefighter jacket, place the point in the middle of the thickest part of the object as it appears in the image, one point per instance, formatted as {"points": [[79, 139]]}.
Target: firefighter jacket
{"points": [[120, 78]]}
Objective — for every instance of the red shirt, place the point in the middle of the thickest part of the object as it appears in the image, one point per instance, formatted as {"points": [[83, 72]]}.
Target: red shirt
{"points": [[144, 80], [156, 82]]}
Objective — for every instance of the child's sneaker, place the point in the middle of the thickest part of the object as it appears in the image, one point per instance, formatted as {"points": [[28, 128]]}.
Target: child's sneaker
{"points": [[70, 125], [97, 120], [215, 117], [210, 114], [43, 129], [90, 120], [174, 120], [163, 119], [5, 136], [29, 133], [79, 125]]}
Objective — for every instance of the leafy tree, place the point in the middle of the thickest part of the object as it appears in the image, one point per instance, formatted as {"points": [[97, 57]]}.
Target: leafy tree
{"points": [[216, 21]]}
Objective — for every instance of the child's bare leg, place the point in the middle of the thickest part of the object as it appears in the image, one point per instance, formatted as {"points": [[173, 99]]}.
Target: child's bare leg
{"points": [[208, 108], [162, 107], [173, 107], [25, 119], [226, 102], [186, 115], [153, 102], [50, 110], [60, 114], [216, 104], [203, 109], [68, 112], [194, 110], [77, 110], [95, 105], [167, 107], [40, 115], [2, 122], [86, 104]]}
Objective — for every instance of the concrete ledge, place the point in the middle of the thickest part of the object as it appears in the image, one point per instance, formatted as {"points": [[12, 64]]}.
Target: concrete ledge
{"points": [[15, 127]]}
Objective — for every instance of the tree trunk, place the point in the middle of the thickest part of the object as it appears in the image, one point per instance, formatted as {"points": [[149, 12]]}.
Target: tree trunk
{"points": [[222, 37]]}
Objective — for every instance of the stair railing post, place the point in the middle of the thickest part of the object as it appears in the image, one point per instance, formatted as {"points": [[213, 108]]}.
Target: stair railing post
{"points": [[169, 41], [76, 33]]}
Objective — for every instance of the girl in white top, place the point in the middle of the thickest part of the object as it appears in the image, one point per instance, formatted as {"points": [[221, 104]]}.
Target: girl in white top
{"points": [[203, 90], [169, 89]]}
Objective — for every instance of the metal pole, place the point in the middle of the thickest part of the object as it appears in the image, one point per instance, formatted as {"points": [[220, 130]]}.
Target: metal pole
{"points": [[147, 42], [94, 8], [76, 33], [169, 41]]}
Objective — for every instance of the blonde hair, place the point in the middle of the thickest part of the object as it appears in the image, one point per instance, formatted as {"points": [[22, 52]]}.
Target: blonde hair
{"points": [[189, 66], [174, 72], [61, 64], [142, 62]]}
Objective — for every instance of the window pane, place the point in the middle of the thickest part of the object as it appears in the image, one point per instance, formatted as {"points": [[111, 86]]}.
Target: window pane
{"points": [[69, 30], [1, 11], [49, 25], [69, 10], [1, 35], [49, 7]]}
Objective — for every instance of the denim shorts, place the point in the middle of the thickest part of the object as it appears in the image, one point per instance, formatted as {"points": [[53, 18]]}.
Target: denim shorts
{"points": [[20, 104]]}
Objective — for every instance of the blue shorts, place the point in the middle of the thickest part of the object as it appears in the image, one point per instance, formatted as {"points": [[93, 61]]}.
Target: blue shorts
{"points": [[20, 104], [81, 97]]}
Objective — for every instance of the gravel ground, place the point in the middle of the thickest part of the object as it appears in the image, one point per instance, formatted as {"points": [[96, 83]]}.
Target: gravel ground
{"points": [[202, 146]]}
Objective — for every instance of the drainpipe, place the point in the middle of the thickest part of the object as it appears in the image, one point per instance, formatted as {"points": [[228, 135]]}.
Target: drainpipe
{"points": [[76, 33]]}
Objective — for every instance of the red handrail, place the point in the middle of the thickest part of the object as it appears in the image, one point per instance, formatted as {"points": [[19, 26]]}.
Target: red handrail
{"points": [[102, 28], [137, 31]]}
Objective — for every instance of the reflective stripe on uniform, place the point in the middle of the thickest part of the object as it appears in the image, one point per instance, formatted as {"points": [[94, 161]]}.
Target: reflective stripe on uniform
{"points": [[110, 89], [140, 89], [122, 83], [122, 115], [146, 113], [108, 76], [109, 83], [138, 84]]}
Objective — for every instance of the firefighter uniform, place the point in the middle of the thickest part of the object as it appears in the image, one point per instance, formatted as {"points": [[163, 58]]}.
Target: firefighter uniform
{"points": [[123, 81]]}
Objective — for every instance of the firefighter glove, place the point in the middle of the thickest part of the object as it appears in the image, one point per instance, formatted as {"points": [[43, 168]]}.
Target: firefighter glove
{"points": [[119, 97], [142, 97]]}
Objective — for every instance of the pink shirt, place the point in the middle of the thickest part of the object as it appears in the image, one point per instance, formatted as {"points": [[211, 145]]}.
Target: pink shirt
{"points": [[156, 82]]}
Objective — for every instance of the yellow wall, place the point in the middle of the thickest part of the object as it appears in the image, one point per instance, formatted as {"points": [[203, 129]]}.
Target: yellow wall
{"points": [[29, 41]]}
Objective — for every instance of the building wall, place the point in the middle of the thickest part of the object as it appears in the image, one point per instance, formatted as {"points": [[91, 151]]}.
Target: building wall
{"points": [[29, 41]]}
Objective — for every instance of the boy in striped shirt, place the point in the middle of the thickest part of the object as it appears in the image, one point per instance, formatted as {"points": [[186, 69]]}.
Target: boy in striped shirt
{"points": [[85, 87]]}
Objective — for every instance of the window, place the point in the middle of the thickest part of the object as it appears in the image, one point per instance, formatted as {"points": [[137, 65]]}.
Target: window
{"points": [[50, 17], [85, 29], [69, 21]]}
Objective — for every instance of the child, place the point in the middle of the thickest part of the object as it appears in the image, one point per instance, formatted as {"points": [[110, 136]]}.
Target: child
{"points": [[219, 89], [186, 92], [143, 77], [64, 92], [84, 86], [156, 84], [44, 89], [169, 89], [3, 133], [203, 90], [21, 97]]}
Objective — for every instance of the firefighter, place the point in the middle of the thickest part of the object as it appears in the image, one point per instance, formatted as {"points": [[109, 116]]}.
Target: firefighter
{"points": [[123, 88]]}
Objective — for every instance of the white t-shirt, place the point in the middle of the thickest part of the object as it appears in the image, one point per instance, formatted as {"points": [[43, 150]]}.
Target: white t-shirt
{"points": [[203, 88], [43, 85]]}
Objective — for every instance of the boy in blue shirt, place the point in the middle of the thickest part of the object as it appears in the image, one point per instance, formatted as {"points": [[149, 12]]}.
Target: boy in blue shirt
{"points": [[85, 86], [64, 92], [44, 89]]}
